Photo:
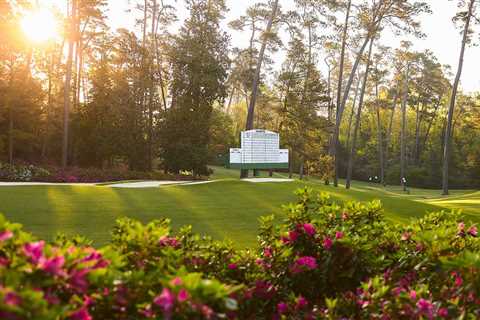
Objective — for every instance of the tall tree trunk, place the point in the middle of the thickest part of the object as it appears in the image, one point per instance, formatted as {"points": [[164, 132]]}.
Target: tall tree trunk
{"points": [[341, 107], [9, 105], [418, 123], [388, 138], [49, 109], [451, 109], [350, 120], [429, 127], [256, 79], [334, 141], [290, 164], [229, 105], [358, 118], [67, 86], [160, 63], [151, 91], [329, 111], [371, 33], [302, 167], [403, 133], [381, 160], [78, 86]]}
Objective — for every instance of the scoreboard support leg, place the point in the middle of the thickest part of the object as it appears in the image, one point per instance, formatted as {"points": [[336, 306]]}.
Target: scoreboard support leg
{"points": [[243, 173]]}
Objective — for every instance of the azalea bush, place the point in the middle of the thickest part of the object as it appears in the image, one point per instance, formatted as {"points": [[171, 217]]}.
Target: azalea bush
{"points": [[22, 173], [31, 173], [322, 261]]}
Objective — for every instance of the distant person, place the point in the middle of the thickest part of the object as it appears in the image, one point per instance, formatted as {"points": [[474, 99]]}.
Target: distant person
{"points": [[404, 184]]}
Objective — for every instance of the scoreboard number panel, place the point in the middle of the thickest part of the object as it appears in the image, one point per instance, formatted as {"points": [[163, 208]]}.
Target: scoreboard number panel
{"points": [[260, 149]]}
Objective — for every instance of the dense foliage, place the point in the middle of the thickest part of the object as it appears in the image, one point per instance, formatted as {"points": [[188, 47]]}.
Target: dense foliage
{"points": [[171, 92], [31, 173], [324, 261]]}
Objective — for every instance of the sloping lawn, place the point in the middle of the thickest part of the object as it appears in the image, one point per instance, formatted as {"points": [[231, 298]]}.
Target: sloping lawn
{"points": [[226, 208]]}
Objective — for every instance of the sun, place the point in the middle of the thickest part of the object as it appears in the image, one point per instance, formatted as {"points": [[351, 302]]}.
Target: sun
{"points": [[40, 26]]}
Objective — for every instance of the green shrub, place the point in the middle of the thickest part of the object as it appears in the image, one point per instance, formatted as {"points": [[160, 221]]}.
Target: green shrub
{"points": [[324, 261]]}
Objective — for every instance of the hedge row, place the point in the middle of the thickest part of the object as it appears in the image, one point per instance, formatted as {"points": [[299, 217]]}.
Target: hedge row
{"points": [[31, 173]]}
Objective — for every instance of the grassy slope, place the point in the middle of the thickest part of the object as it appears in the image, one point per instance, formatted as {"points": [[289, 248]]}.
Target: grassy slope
{"points": [[227, 208]]}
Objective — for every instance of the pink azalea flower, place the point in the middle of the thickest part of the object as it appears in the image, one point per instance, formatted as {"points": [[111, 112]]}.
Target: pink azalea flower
{"points": [[102, 263], [81, 314], [308, 262], [267, 252], [282, 308], [461, 227], [4, 262], [78, 280], [93, 256], [176, 281], [443, 312], [405, 236], [344, 216], [264, 289], [301, 302], [424, 306], [5, 235], [148, 312], [34, 250], [169, 242], [339, 235], [51, 298], [207, 312], [458, 281], [87, 301], [165, 300], [327, 243], [309, 229], [473, 231], [293, 236], [413, 295], [183, 295], [12, 299], [232, 266], [53, 265]]}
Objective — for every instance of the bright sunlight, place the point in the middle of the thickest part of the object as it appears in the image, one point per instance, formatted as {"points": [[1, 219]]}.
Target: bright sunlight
{"points": [[40, 25]]}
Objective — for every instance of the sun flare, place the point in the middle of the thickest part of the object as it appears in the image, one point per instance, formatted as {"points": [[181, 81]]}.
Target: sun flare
{"points": [[40, 26]]}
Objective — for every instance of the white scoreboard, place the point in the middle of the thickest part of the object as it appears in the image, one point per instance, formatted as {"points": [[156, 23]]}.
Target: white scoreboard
{"points": [[260, 149]]}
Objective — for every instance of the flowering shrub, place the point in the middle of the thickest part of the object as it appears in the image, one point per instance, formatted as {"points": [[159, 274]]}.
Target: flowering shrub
{"points": [[27, 173], [22, 173], [324, 261]]}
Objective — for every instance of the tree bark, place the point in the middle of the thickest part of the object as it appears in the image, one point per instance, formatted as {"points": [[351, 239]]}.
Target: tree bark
{"points": [[339, 89], [380, 146], [388, 138], [403, 134], [256, 79], [350, 120], [358, 118], [8, 103], [429, 128], [451, 109], [49, 109], [67, 86], [151, 92], [341, 107]]}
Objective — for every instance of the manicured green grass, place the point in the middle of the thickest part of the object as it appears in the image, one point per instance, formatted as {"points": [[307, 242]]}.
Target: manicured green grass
{"points": [[228, 208]]}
